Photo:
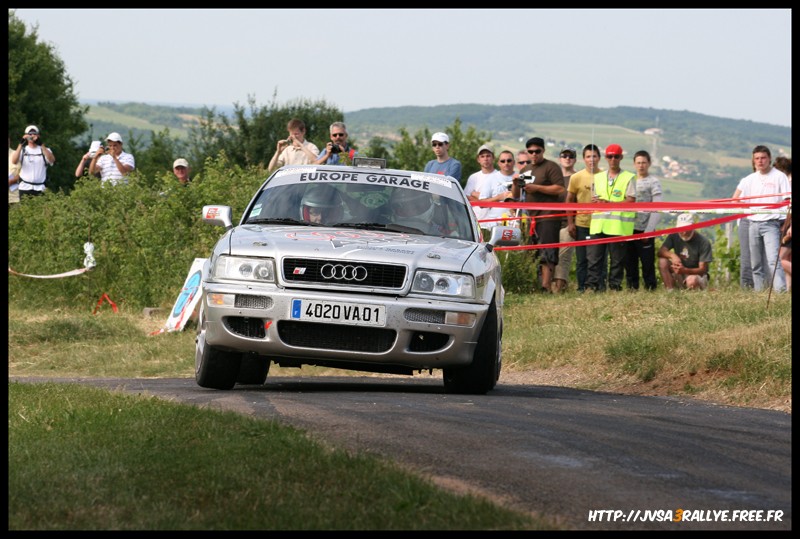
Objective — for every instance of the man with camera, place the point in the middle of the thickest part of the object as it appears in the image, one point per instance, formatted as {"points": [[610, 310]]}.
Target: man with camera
{"points": [[542, 181], [337, 151], [295, 150], [34, 158], [111, 162]]}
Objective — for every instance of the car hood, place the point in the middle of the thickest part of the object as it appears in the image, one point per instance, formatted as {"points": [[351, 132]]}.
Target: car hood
{"points": [[350, 244]]}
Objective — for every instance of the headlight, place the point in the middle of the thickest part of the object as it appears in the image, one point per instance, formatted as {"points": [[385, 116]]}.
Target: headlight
{"points": [[444, 284], [261, 270]]}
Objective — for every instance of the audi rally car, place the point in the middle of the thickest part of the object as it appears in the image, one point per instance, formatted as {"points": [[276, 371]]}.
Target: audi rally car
{"points": [[354, 267]]}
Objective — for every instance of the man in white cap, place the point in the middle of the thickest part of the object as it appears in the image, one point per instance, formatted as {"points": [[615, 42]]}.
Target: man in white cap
{"points": [[112, 163], [487, 185], [684, 257], [181, 170], [443, 164], [33, 157]]}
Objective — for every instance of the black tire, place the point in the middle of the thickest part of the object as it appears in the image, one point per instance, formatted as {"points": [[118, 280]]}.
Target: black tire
{"points": [[253, 370], [480, 376], [213, 368]]}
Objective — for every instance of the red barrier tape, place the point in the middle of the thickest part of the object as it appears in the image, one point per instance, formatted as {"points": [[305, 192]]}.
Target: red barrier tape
{"points": [[643, 235]]}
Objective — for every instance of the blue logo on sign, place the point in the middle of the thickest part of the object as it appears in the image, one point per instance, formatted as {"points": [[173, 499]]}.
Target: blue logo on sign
{"points": [[188, 292]]}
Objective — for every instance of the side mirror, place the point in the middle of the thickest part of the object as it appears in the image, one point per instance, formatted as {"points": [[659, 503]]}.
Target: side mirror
{"points": [[219, 216]]}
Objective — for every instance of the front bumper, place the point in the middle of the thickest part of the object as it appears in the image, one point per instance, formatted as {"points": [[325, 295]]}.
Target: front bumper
{"points": [[414, 336]]}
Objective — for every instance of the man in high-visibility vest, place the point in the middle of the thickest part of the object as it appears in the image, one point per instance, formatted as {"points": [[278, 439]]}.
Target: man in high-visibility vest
{"points": [[611, 186]]}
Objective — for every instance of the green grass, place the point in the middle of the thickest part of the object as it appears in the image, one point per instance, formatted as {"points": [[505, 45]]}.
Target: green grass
{"points": [[84, 458]]}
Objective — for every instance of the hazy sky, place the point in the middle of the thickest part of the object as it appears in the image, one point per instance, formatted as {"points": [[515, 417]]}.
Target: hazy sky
{"points": [[731, 63]]}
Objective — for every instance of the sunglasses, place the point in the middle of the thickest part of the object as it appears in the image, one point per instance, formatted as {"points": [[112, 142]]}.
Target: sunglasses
{"points": [[506, 161], [524, 162], [613, 156], [565, 156], [437, 144], [535, 152], [338, 134]]}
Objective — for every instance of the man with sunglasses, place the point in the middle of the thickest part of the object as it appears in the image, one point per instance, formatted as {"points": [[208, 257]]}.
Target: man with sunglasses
{"points": [[544, 182], [443, 164], [610, 187], [567, 159], [337, 151]]}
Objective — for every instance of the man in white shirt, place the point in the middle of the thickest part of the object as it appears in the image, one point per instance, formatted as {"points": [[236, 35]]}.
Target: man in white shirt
{"points": [[33, 158], [487, 185], [766, 185], [112, 163]]}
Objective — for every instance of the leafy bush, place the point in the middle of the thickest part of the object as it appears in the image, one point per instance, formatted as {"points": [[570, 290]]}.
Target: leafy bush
{"points": [[145, 238]]}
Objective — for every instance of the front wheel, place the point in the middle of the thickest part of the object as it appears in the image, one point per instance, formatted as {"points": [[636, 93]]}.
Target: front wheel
{"points": [[253, 370], [480, 376], [213, 368]]}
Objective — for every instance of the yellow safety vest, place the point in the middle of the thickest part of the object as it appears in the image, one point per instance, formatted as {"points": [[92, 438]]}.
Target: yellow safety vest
{"points": [[613, 223]]}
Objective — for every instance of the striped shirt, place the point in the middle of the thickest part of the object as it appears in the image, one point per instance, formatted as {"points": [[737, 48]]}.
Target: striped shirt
{"points": [[108, 168]]}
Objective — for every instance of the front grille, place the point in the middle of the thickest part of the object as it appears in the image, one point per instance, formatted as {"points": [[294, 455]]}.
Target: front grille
{"points": [[336, 337], [309, 270], [245, 326]]}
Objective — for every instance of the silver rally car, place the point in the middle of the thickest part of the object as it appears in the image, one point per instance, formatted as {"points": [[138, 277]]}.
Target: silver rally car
{"points": [[354, 267]]}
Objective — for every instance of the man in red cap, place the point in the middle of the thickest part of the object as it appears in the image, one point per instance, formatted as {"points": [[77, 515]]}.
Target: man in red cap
{"points": [[610, 186]]}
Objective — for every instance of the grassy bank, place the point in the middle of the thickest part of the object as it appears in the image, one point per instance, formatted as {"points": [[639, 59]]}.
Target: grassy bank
{"points": [[132, 462]]}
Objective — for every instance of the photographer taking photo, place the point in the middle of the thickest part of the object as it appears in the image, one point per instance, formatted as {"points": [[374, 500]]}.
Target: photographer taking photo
{"points": [[111, 163], [33, 157], [337, 151]]}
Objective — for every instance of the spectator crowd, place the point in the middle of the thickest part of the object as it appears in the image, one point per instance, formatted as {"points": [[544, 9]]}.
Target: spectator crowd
{"points": [[610, 257]]}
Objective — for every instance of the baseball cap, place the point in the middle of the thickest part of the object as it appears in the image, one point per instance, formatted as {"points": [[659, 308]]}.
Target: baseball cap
{"points": [[685, 219], [32, 128], [569, 151], [440, 137], [535, 141], [485, 148], [613, 149], [181, 162], [114, 137]]}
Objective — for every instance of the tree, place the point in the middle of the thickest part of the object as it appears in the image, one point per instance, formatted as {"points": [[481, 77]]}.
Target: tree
{"points": [[40, 92], [413, 152], [251, 136]]}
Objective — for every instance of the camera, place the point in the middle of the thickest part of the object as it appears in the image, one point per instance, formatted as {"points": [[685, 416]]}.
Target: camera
{"points": [[524, 179], [335, 148]]}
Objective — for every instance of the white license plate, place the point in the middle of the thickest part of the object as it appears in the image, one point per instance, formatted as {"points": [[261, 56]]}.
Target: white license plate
{"points": [[359, 314]]}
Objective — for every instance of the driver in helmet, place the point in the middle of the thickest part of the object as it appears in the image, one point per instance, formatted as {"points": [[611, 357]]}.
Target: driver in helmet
{"points": [[321, 204], [413, 208]]}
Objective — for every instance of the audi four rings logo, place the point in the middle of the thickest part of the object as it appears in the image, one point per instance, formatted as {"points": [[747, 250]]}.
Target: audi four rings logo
{"points": [[340, 272]]}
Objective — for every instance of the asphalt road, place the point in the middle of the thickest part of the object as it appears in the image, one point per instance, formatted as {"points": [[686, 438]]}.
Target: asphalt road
{"points": [[555, 452]]}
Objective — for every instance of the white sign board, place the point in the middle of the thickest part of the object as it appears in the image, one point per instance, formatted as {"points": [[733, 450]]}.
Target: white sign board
{"points": [[188, 298]]}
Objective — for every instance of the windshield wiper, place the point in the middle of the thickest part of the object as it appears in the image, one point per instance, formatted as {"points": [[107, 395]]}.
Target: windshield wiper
{"points": [[279, 221], [391, 227]]}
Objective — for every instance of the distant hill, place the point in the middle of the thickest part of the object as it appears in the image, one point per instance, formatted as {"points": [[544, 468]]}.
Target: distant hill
{"points": [[696, 155], [682, 133]]}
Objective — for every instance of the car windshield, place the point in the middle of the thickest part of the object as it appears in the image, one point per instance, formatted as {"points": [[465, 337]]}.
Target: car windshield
{"points": [[394, 201]]}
